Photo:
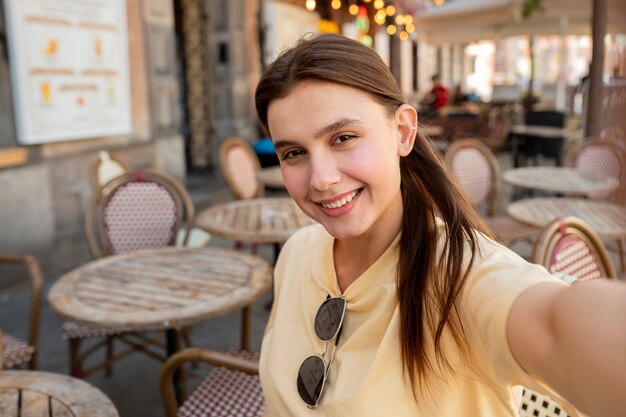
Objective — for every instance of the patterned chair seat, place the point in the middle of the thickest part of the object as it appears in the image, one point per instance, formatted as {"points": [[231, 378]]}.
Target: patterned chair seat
{"points": [[537, 405], [226, 391], [16, 351], [73, 330]]}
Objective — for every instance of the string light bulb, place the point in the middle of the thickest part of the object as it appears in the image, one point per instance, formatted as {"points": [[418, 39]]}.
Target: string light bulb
{"points": [[404, 35], [391, 29], [310, 5], [336, 4], [353, 9], [379, 4], [390, 10]]}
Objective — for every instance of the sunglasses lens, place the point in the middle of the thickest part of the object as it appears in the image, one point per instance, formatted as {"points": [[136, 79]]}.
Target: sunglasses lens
{"points": [[311, 379], [328, 318]]}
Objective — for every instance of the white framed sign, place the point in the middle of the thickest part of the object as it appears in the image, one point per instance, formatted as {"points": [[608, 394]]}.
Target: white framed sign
{"points": [[69, 67]]}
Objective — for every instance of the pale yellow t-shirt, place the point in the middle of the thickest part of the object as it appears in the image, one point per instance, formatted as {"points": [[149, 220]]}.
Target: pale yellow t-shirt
{"points": [[366, 377]]}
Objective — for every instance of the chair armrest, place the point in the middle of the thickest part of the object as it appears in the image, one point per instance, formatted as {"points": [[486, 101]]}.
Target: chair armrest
{"points": [[36, 282], [213, 357]]}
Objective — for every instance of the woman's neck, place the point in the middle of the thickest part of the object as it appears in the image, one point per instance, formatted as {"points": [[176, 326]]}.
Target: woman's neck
{"points": [[352, 257]]}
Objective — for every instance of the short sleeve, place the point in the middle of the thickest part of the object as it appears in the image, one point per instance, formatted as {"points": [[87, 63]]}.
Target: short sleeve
{"points": [[498, 276]]}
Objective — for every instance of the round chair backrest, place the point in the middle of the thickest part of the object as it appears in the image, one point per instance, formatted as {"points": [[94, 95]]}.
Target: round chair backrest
{"points": [[240, 165], [573, 256], [472, 171], [569, 247], [140, 214], [603, 160]]}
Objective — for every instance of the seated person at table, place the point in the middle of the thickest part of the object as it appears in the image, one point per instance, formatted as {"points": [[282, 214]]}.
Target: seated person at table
{"points": [[399, 302], [437, 97]]}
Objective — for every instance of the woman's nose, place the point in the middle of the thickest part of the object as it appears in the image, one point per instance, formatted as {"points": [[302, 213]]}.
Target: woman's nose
{"points": [[324, 172]]}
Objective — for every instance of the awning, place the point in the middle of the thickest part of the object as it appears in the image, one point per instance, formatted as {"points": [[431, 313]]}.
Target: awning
{"points": [[471, 20]]}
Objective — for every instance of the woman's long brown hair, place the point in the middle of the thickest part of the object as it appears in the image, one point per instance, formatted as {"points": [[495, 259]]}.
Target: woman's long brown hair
{"points": [[427, 287]]}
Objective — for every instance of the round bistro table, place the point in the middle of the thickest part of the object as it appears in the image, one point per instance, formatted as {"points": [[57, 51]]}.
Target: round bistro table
{"points": [[45, 394], [608, 220], [258, 220], [561, 180]]}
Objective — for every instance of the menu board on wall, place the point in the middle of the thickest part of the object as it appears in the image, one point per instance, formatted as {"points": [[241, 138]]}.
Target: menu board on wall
{"points": [[69, 67]]}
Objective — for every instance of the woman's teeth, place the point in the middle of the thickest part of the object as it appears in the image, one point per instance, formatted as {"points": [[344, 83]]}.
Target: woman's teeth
{"points": [[340, 203]]}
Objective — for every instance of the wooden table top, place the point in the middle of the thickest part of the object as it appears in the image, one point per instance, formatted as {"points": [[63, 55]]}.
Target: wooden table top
{"points": [[558, 180], [271, 177], [160, 289], [258, 220], [608, 220], [45, 394]]}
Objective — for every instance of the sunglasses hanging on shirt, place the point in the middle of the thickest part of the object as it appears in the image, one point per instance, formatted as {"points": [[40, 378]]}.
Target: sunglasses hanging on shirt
{"points": [[314, 371]]}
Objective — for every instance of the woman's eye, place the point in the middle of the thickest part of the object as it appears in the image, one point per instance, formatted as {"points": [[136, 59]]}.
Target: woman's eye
{"points": [[292, 154], [343, 138]]}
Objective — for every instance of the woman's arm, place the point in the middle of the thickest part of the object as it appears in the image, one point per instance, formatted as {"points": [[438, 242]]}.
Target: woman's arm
{"points": [[574, 339]]}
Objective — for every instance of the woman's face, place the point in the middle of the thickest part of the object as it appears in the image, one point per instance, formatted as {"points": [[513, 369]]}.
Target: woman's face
{"points": [[339, 153]]}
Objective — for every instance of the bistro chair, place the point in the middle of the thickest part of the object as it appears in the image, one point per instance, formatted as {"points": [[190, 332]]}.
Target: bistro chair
{"points": [[602, 158], [239, 165], [231, 388], [570, 247], [14, 351], [477, 172], [104, 168], [137, 210]]}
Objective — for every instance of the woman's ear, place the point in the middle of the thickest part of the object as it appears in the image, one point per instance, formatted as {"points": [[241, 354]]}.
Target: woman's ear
{"points": [[406, 120]]}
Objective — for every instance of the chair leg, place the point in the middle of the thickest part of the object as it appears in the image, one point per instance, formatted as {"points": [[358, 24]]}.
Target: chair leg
{"points": [[246, 318], [75, 365], [109, 367], [33, 362]]}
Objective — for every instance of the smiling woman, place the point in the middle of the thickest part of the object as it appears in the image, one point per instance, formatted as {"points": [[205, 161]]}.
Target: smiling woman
{"points": [[429, 297]]}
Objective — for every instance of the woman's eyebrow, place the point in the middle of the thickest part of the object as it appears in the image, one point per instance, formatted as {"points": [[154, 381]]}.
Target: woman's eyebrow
{"points": [[337, 125], [334, 126]]}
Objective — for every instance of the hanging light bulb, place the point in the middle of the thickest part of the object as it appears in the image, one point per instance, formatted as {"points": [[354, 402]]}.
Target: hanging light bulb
{"points": [[390, 10], [353, 9], [379, 4], [310, 5], [400, 20], [404, 35], [410, 28], [380, 17], [336, 4], [408, 19], [391, 29]]}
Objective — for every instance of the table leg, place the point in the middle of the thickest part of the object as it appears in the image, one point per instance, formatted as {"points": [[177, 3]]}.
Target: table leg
{"points": [[172, 346]]}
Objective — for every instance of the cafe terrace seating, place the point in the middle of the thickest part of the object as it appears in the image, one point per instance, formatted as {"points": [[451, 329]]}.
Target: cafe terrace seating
{"points": [[476, 170], [143, 209], [570, 247], [232, 387], [603, 158], [15, 352]]}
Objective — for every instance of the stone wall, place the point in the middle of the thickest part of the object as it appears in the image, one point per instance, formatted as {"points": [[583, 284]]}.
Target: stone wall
{"points": [[43, 197]]}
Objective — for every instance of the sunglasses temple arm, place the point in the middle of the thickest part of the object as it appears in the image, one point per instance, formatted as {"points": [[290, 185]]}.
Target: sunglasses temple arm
{"points": [[330, 361]]}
